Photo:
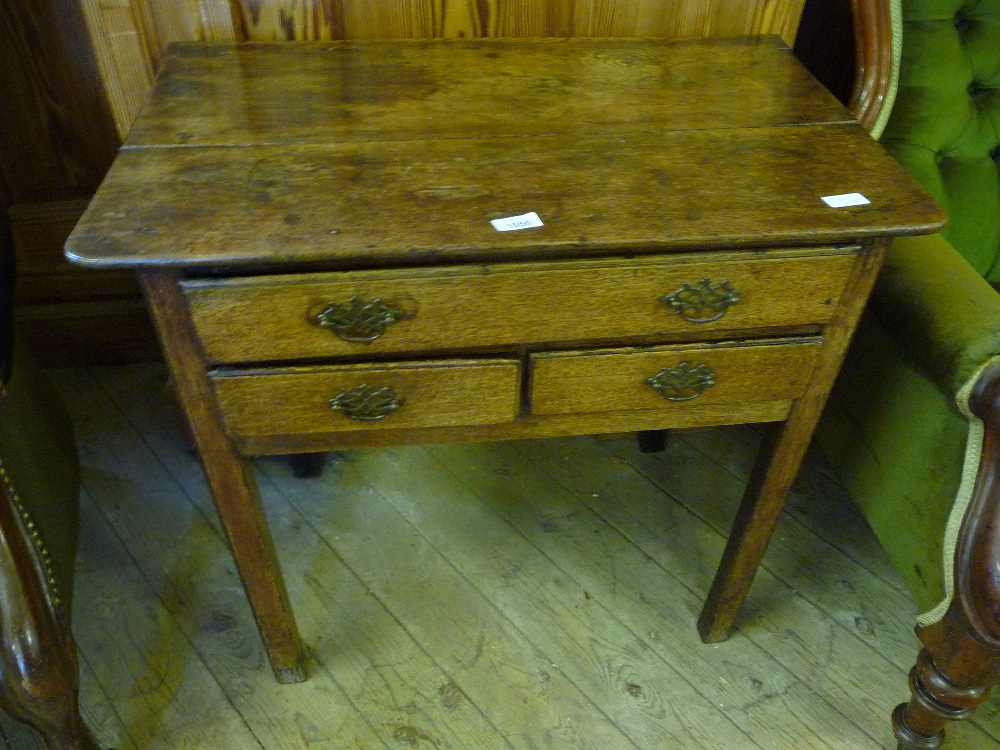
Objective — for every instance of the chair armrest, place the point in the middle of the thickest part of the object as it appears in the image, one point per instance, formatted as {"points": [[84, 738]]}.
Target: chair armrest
{"points": [[938, 308]]}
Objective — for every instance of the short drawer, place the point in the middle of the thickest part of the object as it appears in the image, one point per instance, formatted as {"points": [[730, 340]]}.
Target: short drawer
{"points": [[363, 397], [273, 318], [671, 377]]}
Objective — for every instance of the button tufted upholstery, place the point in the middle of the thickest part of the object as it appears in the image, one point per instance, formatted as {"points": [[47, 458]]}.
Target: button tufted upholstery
{"points": [[900, 430], [933, 319], [951, 66]]}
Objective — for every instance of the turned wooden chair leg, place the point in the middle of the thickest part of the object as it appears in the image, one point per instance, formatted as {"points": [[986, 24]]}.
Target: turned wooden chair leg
{"points": [[39, 674], [960, 661], [947, 686]]}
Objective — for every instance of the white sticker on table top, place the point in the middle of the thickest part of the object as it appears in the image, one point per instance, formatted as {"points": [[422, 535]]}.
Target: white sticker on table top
{"points": [[513, 223], [845, 200]]}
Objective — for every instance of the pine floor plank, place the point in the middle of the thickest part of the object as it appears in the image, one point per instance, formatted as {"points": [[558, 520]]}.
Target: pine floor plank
{"points": [[390, 679], [99, 711], [383, 671], [592, 647], [143, 662], [533, 595], [785, 710], [414, 721], [487, 657], [816, 569], [818, 502], [610, 569], [858, 681], [188, 566]]}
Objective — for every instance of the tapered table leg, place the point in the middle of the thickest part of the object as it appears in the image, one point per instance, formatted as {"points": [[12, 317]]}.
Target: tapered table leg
{"points": [[230, 478], [779, 461]]}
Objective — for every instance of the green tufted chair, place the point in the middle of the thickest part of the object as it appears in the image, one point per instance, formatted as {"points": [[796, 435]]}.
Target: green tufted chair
{"points": [[39, 486], [914, 423]]}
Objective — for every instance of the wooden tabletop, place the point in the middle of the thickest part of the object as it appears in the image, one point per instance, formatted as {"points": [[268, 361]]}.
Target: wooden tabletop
{"points": [[370, 154]]}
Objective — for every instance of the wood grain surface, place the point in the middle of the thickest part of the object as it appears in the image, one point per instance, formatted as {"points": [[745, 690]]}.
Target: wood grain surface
{"points": [[434, 394], [613, 380], [57, 139], [75, 77], [464, 307], [280, 20], [370, 91], [377, 154], [596, 194], [129, 37]]}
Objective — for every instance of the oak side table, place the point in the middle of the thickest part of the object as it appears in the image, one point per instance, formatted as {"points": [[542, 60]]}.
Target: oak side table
{"points": [[374, 243]]}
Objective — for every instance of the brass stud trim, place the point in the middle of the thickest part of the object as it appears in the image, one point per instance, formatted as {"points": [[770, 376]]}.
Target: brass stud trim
{"points": [[42, 553]]}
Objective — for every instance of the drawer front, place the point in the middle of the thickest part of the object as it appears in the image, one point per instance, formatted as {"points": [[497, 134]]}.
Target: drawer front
{"points": [[349, 398], [255, 319], [670, 377]]}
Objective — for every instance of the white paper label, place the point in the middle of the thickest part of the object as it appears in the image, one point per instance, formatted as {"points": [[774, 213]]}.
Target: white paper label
{"points": [[512, 223], [845, 200]]}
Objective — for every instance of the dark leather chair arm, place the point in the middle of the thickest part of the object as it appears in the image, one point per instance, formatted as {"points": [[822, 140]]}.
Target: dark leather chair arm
{"points": [[6, 299]]}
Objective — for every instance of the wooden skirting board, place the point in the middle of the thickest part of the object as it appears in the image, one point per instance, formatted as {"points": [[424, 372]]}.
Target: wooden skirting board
{"points": [[69, 315]]}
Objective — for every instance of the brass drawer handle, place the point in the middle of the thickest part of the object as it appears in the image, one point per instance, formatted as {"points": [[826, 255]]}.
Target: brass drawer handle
{"points": [[358, 322], [366, 404], [702, 303], [682, 383]]}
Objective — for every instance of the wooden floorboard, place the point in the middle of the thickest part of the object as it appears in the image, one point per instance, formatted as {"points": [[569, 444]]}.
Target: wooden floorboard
{"points": [[813, 568], [776, 618], [579, 640], [608, 568], [532, 595]]}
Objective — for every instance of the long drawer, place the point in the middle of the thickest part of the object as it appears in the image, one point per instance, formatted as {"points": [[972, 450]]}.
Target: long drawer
{"points": [[356, 314], [670, 377], [362, 397]]}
